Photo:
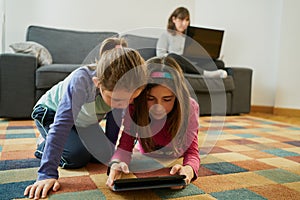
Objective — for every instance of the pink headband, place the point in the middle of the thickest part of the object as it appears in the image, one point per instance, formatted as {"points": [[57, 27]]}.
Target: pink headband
{"points": [[161, 75]]}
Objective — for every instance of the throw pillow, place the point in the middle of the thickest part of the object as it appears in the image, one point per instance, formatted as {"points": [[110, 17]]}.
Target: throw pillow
{"points": [[35, 49]]}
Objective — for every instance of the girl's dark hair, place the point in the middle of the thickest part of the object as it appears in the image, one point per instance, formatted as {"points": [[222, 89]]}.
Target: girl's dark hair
{"points": [[177, 119], [181, 13]]}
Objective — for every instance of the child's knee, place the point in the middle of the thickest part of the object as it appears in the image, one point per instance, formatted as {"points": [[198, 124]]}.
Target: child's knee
{"points": [[75, 159]]}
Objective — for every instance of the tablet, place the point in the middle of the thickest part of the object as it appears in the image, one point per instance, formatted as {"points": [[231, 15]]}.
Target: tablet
{"points": [[148, 182]]}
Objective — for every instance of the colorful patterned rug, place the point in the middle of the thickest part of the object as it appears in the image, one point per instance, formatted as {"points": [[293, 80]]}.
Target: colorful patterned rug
{"points": [[243, 157]]}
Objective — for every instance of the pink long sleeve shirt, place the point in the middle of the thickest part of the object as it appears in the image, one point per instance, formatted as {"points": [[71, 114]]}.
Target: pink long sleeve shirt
{"points": [[188, 150]]}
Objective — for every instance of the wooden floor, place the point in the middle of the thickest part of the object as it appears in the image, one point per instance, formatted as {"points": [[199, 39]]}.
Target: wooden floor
{"points": [[280, 118]]}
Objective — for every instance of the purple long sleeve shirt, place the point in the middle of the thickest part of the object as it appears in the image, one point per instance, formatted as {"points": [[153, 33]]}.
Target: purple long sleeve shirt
{"points": [[73, 99]]}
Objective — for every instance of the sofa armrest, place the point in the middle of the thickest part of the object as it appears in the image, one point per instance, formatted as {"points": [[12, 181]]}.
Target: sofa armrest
{"points": [[17, 85], [241, 98]]}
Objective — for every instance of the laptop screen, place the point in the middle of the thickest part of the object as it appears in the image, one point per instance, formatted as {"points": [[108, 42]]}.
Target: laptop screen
{"points": [[210, 41]]}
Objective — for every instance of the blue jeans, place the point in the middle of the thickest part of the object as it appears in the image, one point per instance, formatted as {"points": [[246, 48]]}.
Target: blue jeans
{"points": [[75, 153]]}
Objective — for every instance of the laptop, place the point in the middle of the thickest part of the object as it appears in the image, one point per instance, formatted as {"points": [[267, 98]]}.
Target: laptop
{"points": [[203, 43], [148, 182]]}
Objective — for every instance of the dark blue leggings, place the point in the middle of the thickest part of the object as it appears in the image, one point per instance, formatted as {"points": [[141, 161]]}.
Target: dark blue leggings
{"points": [[75, 153]]}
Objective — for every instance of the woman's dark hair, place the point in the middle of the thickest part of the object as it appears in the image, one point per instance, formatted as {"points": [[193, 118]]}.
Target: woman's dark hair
{"points": [[181, 13]]}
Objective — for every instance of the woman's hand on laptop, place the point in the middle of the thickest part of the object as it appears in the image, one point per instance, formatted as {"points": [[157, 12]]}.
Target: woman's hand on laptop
{"points": [[116, 170]]}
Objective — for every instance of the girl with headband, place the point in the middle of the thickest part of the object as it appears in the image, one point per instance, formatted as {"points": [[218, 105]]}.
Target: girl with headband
{"points": [[167, 127]]}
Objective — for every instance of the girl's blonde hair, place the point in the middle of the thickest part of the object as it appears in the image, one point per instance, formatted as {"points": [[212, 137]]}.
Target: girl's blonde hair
{"points": [[115, 65], [177, 119], [111, 43]]}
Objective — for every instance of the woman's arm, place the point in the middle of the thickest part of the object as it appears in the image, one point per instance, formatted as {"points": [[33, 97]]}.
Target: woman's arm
{"points": [[162, 45]]}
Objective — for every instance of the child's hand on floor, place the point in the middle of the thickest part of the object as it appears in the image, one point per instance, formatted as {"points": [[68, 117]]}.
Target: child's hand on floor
{"points": [[41, 187]]}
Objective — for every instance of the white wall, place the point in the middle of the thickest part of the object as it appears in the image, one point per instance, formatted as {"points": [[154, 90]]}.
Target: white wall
{"points": [[287, 91], [251, 39], [254, 31], [262, 35], [2, 22], [98, 15]]}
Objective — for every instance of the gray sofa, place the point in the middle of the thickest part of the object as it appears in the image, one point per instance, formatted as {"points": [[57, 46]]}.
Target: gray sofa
{"points": [[23, 80], [228, 96]]}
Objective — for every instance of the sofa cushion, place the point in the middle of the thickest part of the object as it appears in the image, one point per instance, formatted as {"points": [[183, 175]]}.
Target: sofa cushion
{"points": [[49, 75], [205, 85], [146, 46], [33, 48], [67, 46]]}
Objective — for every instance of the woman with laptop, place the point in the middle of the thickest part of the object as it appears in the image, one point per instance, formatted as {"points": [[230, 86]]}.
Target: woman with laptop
{"points": [[172, 42]]}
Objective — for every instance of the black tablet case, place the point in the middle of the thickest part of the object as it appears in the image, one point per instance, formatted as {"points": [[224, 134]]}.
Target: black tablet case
{"points": [[148, 182]]}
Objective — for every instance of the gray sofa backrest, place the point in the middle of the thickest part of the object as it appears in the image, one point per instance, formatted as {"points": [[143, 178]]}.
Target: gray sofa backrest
{"points": [[67, 46], [145, 45]]}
